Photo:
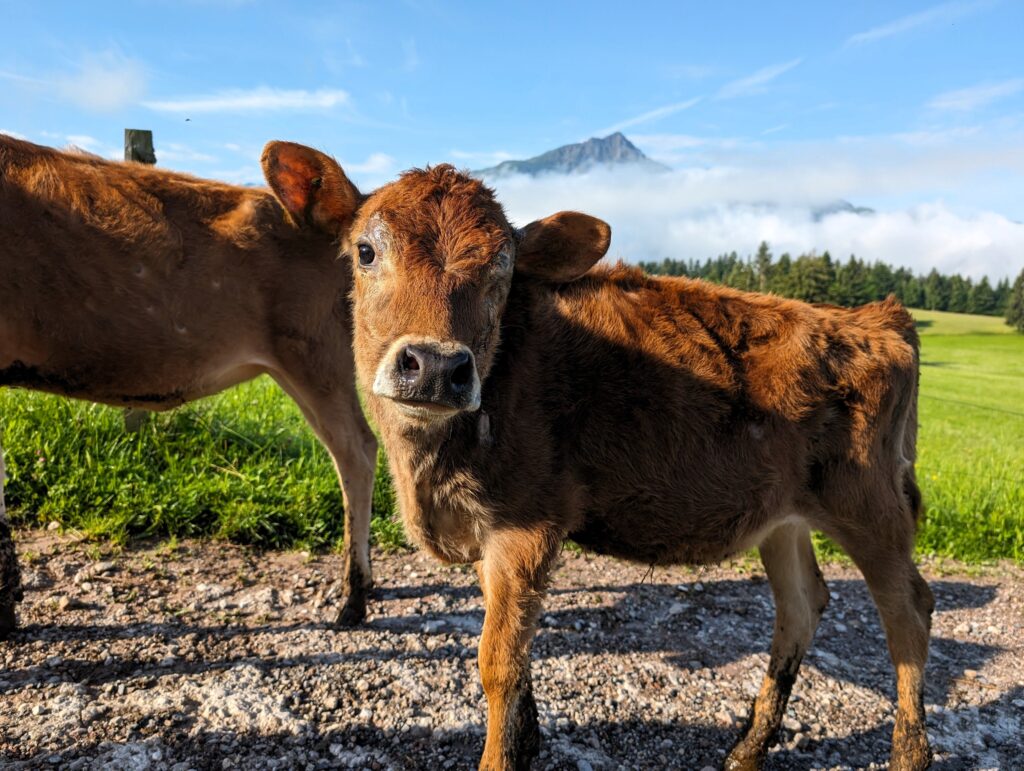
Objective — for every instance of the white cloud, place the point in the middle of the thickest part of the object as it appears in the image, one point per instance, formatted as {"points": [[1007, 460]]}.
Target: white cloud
{"points": [[946, 12], [89, 145], [755, 83], [261, 99], [742, 195], [647, 117], [376, 163], [84, 141], [15, 134], [982, 95], [103, 82], [175, 152]]}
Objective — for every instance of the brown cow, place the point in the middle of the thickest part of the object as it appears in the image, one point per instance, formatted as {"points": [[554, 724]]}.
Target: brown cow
{"points": [[524, 400], [133, 286]]}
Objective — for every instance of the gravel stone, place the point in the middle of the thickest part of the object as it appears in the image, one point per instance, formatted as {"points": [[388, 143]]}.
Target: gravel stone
{"points": [[223, 657]]}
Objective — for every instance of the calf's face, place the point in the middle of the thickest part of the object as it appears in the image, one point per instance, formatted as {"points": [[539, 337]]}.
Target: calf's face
{"points": [[433, 257]]}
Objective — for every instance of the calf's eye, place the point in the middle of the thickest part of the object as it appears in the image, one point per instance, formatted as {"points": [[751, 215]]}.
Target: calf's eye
{"points": [[366, 255]]}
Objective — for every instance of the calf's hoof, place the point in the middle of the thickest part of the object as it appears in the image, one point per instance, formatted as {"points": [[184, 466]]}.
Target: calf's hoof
{"points": [[353, 612], [737, 762], [910, 750], [745, 756], [8, 620]]}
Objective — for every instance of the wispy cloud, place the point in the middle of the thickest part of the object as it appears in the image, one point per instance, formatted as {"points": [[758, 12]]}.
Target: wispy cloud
{"points": [[756, 82], [19, 78], [982, 95], [483, 158], [412, 57], [102, 81], [689, 71], [14, 134], [945, 12], [652, 115], [255, 100], [176, 152]]}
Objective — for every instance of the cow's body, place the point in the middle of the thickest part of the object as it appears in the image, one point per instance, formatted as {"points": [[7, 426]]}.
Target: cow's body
{"points": [[523, 400], [137, 287], [670, 420]]}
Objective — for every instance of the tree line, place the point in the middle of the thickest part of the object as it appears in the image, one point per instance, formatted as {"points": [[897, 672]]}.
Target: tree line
{"points": [[820, 278]]}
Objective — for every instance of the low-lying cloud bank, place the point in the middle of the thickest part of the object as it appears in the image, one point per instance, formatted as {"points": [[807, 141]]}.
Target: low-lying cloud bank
{"points": [[702, 213]]}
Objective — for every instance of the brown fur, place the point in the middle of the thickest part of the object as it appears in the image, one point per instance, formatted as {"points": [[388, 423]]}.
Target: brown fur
{"points": [[660, 420], [138, 287]]}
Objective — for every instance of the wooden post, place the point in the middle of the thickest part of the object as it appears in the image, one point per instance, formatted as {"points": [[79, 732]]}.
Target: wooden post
{"points": [[138, 148]]}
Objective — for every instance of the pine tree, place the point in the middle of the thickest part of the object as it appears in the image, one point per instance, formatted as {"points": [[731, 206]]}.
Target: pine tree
{"points": [[936, 291], [959, 294], [1015, 310], [982, 299], [763, 266]]}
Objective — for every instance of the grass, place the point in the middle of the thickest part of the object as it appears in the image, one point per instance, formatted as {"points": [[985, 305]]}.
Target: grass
{"points": [[971, 439], [244, 466]]}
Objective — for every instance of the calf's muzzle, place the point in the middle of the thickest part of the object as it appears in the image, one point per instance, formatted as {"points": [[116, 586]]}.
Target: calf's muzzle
{"points": [[428, 376]]}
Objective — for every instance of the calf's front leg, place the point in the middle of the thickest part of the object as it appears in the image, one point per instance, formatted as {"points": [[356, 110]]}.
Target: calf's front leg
{"points": [[514, 571]]}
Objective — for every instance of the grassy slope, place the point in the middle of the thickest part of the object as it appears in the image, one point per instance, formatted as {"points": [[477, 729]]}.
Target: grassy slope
{"points": [[971, 440], [244, 466]]}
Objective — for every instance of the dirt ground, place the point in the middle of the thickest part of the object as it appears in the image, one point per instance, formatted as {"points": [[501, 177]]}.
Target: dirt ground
{"points": [[215, 656]]}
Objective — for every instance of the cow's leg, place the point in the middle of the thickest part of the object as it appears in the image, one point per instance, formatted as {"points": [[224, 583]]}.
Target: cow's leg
{"points": [[905, 604], [800, 599], [10, 574], [337, 419], [515, 571]]}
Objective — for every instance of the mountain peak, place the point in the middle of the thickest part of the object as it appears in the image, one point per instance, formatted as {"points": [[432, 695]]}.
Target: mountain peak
{"points": [[596, 152]]}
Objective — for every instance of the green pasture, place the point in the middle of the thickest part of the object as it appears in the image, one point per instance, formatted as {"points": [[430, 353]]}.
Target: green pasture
{"points": [[244, 466]]}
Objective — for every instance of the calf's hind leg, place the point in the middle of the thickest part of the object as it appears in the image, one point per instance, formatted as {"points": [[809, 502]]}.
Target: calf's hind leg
{"points": [[800, 599], [10, 574], [337, 419], [905, 604]]}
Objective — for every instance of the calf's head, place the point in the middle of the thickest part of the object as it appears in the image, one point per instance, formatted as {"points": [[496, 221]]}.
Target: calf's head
{"points": [[433, 257]]}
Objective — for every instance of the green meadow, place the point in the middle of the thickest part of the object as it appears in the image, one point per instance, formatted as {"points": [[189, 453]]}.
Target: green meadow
{"points": [[244, 466]]}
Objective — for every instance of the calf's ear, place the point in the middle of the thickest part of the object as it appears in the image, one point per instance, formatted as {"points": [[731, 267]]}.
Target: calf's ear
{"points": [[310, 185], [562, 247]]}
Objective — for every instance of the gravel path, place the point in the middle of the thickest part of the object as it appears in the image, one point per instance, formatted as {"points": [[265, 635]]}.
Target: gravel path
{"points": [[214, 656]]}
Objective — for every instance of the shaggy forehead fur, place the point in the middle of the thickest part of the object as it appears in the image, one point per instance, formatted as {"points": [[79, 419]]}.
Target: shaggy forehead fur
{"points": [[443, 218]]}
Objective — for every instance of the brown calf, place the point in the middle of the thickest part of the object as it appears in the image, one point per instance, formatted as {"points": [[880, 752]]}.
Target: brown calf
{"points": [[133, 286], [523, 400]]}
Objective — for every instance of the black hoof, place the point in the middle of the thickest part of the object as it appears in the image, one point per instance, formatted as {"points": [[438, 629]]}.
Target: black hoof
{"points": [[353, 613], [8, 620]]}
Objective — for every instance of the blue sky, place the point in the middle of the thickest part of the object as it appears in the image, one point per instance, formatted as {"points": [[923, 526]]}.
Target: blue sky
{"points": [[913, 108]]}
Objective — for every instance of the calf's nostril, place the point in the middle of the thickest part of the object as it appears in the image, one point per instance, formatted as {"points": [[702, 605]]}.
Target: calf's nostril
{"points": [[462, 375], [408, 362]]}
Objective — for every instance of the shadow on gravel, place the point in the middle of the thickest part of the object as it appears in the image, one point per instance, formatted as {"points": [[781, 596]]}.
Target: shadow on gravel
{"points": [[600, 744], [726, 622], [965, 737]]}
